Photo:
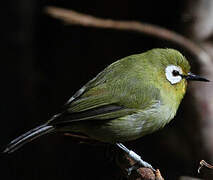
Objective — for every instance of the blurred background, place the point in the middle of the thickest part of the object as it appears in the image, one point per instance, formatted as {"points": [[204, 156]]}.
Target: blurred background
{"points": [[46, 61]]}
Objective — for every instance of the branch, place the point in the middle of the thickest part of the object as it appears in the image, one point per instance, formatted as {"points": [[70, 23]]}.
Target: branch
{"points": [[204, 164], [125, 162], [76, 18]]}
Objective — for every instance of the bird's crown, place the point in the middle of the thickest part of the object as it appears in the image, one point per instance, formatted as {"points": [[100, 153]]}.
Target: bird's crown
{"points": [[171, 62]]}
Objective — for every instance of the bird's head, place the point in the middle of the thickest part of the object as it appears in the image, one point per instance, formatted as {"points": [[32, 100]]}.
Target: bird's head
{"points": [[173, 70], [178, 68], [174, 66]]}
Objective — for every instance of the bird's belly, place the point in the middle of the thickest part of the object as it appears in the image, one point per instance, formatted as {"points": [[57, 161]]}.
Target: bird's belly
{"points": [[129, 127]]}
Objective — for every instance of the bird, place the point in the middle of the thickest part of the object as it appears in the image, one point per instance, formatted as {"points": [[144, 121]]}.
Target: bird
{"points": [[134, 96]]}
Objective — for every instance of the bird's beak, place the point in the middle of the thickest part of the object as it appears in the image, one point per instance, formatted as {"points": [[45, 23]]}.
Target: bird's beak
{"points": [[192, 77]]}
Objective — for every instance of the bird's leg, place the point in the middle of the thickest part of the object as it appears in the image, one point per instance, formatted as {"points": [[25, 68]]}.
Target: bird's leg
{"points": [[139, 162]]}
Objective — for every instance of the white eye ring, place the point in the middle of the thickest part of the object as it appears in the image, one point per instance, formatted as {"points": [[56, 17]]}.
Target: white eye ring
{"points": [[169, 71]]}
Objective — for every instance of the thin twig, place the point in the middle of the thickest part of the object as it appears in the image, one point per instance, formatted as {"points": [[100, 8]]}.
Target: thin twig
{"points": [[77, 136], [76, 18], [204, 164], [85, 139]]}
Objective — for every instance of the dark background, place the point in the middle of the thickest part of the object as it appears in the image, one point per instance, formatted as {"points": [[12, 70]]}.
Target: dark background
{"points": [[45, 62]]}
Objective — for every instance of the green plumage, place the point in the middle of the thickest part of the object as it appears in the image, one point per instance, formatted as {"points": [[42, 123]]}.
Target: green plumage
{"points": [[136, 83], [132, 97]]}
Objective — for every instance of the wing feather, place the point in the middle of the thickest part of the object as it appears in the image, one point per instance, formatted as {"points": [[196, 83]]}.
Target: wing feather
{"points": [[113, 93]]}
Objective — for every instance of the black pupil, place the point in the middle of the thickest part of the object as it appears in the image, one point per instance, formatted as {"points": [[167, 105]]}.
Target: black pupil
{"points": [[175, 73]]}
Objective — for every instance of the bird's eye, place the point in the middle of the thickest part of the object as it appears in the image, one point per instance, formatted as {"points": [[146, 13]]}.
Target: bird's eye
{"points": [[173, 74]]}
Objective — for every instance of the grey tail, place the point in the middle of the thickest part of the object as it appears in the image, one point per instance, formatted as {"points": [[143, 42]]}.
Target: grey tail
{"points": [[27, 137]]}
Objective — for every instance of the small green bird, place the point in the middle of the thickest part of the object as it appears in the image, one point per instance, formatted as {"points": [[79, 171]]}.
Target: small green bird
{"points": [[132, 97]]}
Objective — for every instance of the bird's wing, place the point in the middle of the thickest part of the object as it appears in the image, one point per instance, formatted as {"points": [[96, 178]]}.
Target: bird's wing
{"points": [[93, 107], [113, 93]]}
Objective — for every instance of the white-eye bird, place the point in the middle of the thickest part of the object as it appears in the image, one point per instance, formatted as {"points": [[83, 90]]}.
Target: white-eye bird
{"points": [[130, 98]]}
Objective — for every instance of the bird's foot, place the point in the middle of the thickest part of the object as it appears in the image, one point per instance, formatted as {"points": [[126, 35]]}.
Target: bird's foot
{"points": [[139, 161]]}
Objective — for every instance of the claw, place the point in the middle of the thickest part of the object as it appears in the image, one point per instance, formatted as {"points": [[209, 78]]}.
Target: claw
{"points": [[133, 168]]}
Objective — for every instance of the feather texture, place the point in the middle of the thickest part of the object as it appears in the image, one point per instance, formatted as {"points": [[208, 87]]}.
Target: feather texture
{"points": [[130, 98]]}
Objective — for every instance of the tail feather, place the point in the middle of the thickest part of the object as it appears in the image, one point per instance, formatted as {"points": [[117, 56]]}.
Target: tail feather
{"points": [[27, 137]]}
